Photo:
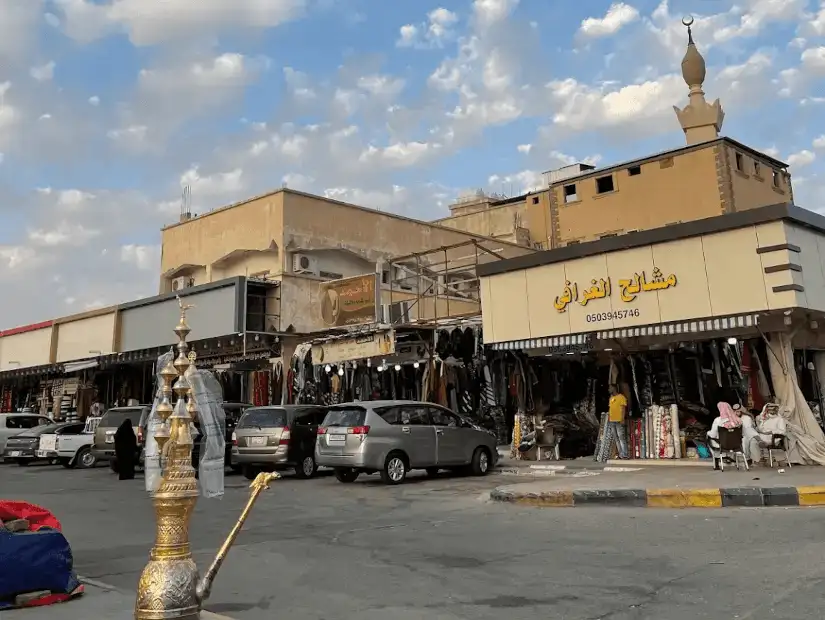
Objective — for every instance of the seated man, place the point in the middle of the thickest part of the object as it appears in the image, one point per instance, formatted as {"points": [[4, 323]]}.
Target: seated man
{"points": [[752, 441]]}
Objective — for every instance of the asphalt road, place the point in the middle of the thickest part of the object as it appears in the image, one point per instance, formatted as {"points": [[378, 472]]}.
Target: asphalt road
{"points": [[436, 550]]}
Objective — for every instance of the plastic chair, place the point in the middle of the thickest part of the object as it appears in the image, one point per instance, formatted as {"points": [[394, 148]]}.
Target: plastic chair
{"points": [[730, 443], [778, 443]]}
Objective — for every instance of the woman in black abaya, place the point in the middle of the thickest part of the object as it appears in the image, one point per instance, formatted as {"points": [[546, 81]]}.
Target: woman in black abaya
{"points": [[126, 451]]}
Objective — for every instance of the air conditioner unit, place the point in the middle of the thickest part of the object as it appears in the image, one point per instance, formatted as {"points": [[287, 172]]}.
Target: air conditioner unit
{"points": [[182, 282], [303, 263], [395, 314]]}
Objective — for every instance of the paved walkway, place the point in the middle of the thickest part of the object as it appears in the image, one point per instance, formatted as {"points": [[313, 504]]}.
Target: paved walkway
{"points": [[99, 601], [672, 488]]}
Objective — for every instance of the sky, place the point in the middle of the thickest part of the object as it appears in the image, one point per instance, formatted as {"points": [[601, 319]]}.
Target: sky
{"points": [[108, 108]]}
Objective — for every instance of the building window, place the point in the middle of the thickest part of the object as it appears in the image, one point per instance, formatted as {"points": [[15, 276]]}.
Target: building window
{"points": [[740, 162], [535, 200], [604, 185], [776, 180], [757, 169], [385, 277], [667, 162], [634, 171], [570, 193]]}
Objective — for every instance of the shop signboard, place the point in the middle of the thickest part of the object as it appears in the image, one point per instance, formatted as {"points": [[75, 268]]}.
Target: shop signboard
{"points": [[721, 274], [349, 301], [376, 344]]}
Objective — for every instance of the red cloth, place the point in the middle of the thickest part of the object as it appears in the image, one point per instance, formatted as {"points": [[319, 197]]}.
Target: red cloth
{"points": [[37, 516]]}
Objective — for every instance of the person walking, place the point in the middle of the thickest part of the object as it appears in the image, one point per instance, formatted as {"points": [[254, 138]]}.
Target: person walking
{"points": [[615, 420], [126, 451]]}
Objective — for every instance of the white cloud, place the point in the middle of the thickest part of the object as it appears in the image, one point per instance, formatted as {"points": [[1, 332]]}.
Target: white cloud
{"points": [[819, 142], [801, 159], [94, 100], [381, 85], [18, 27], [490, 12], [131, 137], [217, 184], [64, 233], [524, 148], [435, 32], [9, 115], [813, 60], [617, 17], [144, 257], [150, 22], [43, 73]]}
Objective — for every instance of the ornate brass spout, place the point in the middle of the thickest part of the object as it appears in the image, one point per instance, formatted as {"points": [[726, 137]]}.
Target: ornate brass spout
{"points": [[258, 485], [169, 586]]}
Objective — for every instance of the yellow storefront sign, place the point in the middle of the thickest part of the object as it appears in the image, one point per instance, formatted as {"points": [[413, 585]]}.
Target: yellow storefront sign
{"points": [[629, 289]]}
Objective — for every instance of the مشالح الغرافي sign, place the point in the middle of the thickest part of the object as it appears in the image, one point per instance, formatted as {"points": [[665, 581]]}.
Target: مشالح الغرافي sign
{"points": [[629, 289], [347, 349]]}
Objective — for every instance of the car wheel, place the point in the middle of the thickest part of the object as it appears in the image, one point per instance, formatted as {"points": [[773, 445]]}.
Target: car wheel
{"points": [[67, 463], [84, 459], [395, 468], [306, 468], [250, 472], [481, 462], [113, 465], [23, 462], [432, 472], [346, 474]]}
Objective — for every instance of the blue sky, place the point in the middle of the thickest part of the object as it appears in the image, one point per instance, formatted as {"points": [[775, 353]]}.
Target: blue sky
{"points": [[109, 107]]}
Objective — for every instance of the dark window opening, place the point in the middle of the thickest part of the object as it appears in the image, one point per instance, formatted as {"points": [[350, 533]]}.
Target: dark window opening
{"points": [[385, 277], [605, 185], [329, 275], [775, 178], [634, 171], [757, 168], [535, 200], [740, 162], [570, 193], [256, 309]]}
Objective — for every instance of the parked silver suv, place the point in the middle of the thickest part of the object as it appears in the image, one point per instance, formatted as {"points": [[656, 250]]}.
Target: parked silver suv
{"points": [[393, 436]]}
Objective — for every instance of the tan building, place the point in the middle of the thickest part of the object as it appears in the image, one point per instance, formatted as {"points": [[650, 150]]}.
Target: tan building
{"points": [[298, 241], [711, 175]]}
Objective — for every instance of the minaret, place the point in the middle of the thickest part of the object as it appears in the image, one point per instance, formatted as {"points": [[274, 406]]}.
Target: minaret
{"points": [[701, 121]]}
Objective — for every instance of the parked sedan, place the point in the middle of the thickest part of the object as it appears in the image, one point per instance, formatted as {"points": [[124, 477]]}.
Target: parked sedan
{"points": [[393, 437], [22, 448]]}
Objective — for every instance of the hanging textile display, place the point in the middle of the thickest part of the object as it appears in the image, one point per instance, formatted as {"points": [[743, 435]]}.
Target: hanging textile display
{"points": [[806, 438]]}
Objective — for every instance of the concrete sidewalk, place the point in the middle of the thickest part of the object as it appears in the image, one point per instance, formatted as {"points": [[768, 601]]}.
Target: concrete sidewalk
{"points": [[673, 488], [99, 601]]}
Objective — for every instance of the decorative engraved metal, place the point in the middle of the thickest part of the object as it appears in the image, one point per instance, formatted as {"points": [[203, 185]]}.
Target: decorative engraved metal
{"points": [[170, 586]]}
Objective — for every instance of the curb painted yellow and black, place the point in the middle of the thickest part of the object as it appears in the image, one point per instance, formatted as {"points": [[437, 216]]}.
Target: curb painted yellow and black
{"points": [[669, 498]]}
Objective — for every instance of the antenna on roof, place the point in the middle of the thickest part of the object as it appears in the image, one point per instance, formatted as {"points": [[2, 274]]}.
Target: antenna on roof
{"points": [[186, 204]]}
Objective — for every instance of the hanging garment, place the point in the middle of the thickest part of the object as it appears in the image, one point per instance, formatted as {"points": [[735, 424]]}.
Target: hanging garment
{"points": [[806, 438]]}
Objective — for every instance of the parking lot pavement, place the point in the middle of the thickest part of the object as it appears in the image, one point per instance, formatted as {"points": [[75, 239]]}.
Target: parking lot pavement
{"points": [[436, 549]]}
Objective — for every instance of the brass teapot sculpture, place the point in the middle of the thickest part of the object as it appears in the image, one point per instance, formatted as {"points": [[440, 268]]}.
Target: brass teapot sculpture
{"points": [[170, 586]]}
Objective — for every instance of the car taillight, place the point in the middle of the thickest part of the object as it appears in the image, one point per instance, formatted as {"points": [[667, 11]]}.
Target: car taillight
{"points": [[285, 435], [358, 430], [322, 430], [234, 439], [140, 435]]}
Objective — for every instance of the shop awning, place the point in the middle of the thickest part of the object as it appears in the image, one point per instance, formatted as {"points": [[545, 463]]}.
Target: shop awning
{"points": [[687, 327], [725, 323], [79, 365], [573, 340]]}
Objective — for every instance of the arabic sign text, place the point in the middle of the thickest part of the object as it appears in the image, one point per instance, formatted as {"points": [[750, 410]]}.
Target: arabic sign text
{"points": [[629, 289]]}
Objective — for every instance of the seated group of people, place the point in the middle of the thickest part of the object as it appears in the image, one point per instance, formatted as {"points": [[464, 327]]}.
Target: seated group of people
{"points": [[756, 434]]}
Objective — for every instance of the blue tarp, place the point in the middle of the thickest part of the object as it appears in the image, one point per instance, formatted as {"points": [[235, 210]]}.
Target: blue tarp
{"points": [[34, 561]]}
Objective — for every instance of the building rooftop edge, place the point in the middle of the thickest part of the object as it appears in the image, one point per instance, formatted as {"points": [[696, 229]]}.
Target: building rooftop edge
{"points": [[664, 234]]}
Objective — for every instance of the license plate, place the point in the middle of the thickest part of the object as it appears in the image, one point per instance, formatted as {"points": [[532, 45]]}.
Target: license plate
{"points": [[110, 439], [42, 453], [257, 441], [337, 438], [14, 453]]}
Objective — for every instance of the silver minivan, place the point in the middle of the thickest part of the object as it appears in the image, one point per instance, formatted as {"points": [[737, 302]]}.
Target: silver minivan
{"points": [[394, 436]]}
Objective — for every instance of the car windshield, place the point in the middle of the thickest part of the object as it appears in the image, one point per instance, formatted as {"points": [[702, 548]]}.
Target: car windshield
{"points": [[345, 416], [115, 417], [263, 418]]}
